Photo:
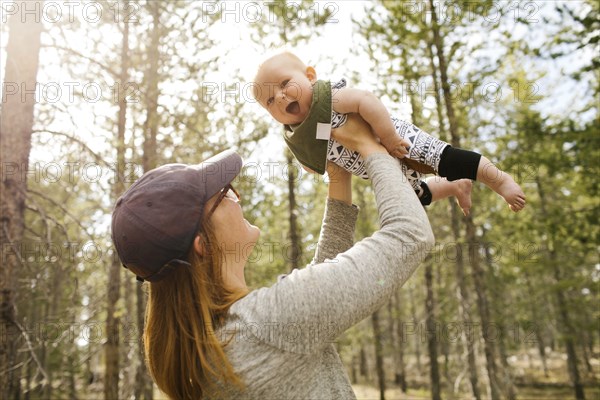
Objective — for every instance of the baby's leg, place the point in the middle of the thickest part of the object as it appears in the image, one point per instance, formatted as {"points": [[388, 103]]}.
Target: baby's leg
{"points": [[421, 188], [441, 188], [414, 178], [501, 183], [424, 148], [458, 164]]}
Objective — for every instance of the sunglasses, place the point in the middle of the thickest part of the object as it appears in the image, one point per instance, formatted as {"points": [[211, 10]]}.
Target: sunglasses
{"points": [[229, 192]]}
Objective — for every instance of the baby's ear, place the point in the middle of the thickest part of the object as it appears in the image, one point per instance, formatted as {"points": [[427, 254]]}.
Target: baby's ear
{"points": [[311, 74]]}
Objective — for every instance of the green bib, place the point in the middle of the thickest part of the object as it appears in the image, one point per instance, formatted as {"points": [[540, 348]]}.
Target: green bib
{"points": [[302, 140]]}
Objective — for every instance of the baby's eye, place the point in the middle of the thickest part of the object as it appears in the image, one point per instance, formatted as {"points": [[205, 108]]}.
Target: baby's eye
{"points": [[269, 101], [284, 83]]}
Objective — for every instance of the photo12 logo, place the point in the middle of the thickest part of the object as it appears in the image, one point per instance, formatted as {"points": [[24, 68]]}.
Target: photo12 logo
{"points": [[68, 92], [70, 172], [453, 12], [52, 12], [268, 11]]}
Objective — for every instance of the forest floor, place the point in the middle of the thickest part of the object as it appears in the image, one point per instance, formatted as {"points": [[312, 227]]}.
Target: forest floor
{"points": [[364, 392], [529, 377]]}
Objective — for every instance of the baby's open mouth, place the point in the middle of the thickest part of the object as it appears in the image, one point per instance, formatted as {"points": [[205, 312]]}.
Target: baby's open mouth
{"points": [[293, 108]]}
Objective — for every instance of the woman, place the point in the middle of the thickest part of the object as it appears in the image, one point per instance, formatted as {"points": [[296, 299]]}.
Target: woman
{"points": [[207, 336]]}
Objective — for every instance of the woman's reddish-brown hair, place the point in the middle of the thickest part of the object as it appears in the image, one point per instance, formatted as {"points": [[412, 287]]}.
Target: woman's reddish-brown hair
{"points": [[183, 353]]}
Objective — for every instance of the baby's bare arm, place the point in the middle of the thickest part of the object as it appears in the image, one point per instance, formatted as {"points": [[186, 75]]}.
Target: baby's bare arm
{"points": [[372, 110]]}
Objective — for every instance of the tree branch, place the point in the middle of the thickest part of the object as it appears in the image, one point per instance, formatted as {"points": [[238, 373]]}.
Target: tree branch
{"points": [[83, 56], [97, 158], [63, 209]]}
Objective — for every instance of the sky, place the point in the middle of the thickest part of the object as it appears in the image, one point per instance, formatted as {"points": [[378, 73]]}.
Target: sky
{"points": [[327, 51], [330, 53], [231, 33]]}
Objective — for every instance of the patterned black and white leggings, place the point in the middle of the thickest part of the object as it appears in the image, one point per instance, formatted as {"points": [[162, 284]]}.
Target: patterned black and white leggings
{"points": [[446, 160]]}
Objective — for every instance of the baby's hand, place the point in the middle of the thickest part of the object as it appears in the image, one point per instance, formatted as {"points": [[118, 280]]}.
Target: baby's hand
{"points": [[397, 146]]}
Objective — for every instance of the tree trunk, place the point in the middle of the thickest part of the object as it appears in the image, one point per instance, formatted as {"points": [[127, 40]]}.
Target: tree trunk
{"points": [[52, 314], [354, 373], [72, 363], [16, 123], [436, 91], [538, 334], [151, 123], [446, 350], [583, 342], [143, 385], [295, 252], [464, 305], [442, 136], [143, 381], [127, 353], [484, 311], [438, 42], [400, 378], [463, 296], [413, 312], [430, 321], [30, 385], [511, 391], [564, 322], [392, 333], [590, 342], [569, 333], [462, 292], [432, 338], [41, 389], [378, 354], [508, 381], [542, 350], [364, 368], [111, 381]]}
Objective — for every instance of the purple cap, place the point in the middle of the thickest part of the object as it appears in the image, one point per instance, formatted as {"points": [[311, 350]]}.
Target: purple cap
{"points": [[155, 221]]}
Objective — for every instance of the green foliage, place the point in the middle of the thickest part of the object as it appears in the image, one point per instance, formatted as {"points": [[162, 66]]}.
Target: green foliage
{"points": [[554, 157], [557, 160]]}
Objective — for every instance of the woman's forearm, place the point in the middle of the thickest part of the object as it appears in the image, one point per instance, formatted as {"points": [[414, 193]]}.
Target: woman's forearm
{"points": [[337, 229], [340, 183]]}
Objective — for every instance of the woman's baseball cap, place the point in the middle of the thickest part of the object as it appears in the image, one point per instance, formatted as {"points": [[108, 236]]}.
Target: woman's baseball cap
{"points": [[155, 221]]}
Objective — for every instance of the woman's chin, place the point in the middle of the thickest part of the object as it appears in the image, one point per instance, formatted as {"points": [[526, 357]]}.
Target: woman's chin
{"points": [[255, 229]]}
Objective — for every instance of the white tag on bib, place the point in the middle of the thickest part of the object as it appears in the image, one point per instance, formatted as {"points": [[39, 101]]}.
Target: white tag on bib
{"points": [[323, 131]]}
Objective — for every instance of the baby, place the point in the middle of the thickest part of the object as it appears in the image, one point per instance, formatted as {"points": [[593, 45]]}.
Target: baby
{"points": [[310, 108]]}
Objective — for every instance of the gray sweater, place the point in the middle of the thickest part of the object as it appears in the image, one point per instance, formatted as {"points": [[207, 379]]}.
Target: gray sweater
{"points": [[281, 337]]}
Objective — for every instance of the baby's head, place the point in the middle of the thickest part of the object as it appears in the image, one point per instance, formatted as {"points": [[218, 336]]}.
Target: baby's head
{"points": [[283, 86]]}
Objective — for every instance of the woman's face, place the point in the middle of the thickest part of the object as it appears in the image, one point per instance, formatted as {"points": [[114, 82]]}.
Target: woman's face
{"points": [[234, 234]]}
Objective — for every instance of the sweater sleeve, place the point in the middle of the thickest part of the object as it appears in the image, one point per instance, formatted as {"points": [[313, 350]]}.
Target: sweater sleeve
{"points": [[310, 307], [337, 230]]}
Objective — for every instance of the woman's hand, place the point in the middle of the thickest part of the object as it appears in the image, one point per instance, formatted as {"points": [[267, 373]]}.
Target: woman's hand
{"points": [[356, 135], [340, 183]]}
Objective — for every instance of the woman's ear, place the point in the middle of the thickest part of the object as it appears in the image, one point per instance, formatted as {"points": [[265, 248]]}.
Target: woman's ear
{"points": [[311, 74], [199, 245]]}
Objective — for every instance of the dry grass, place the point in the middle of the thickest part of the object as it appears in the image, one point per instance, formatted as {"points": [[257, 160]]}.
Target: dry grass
{"points": [[528, 374], [364, 392]]}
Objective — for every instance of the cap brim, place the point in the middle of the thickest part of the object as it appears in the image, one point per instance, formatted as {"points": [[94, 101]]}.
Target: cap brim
{"points": [[219, 171]]}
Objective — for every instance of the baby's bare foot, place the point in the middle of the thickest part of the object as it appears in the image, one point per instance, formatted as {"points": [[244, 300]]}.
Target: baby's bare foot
{"points": [[501, 183], [511, 192], [463, 194]]}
